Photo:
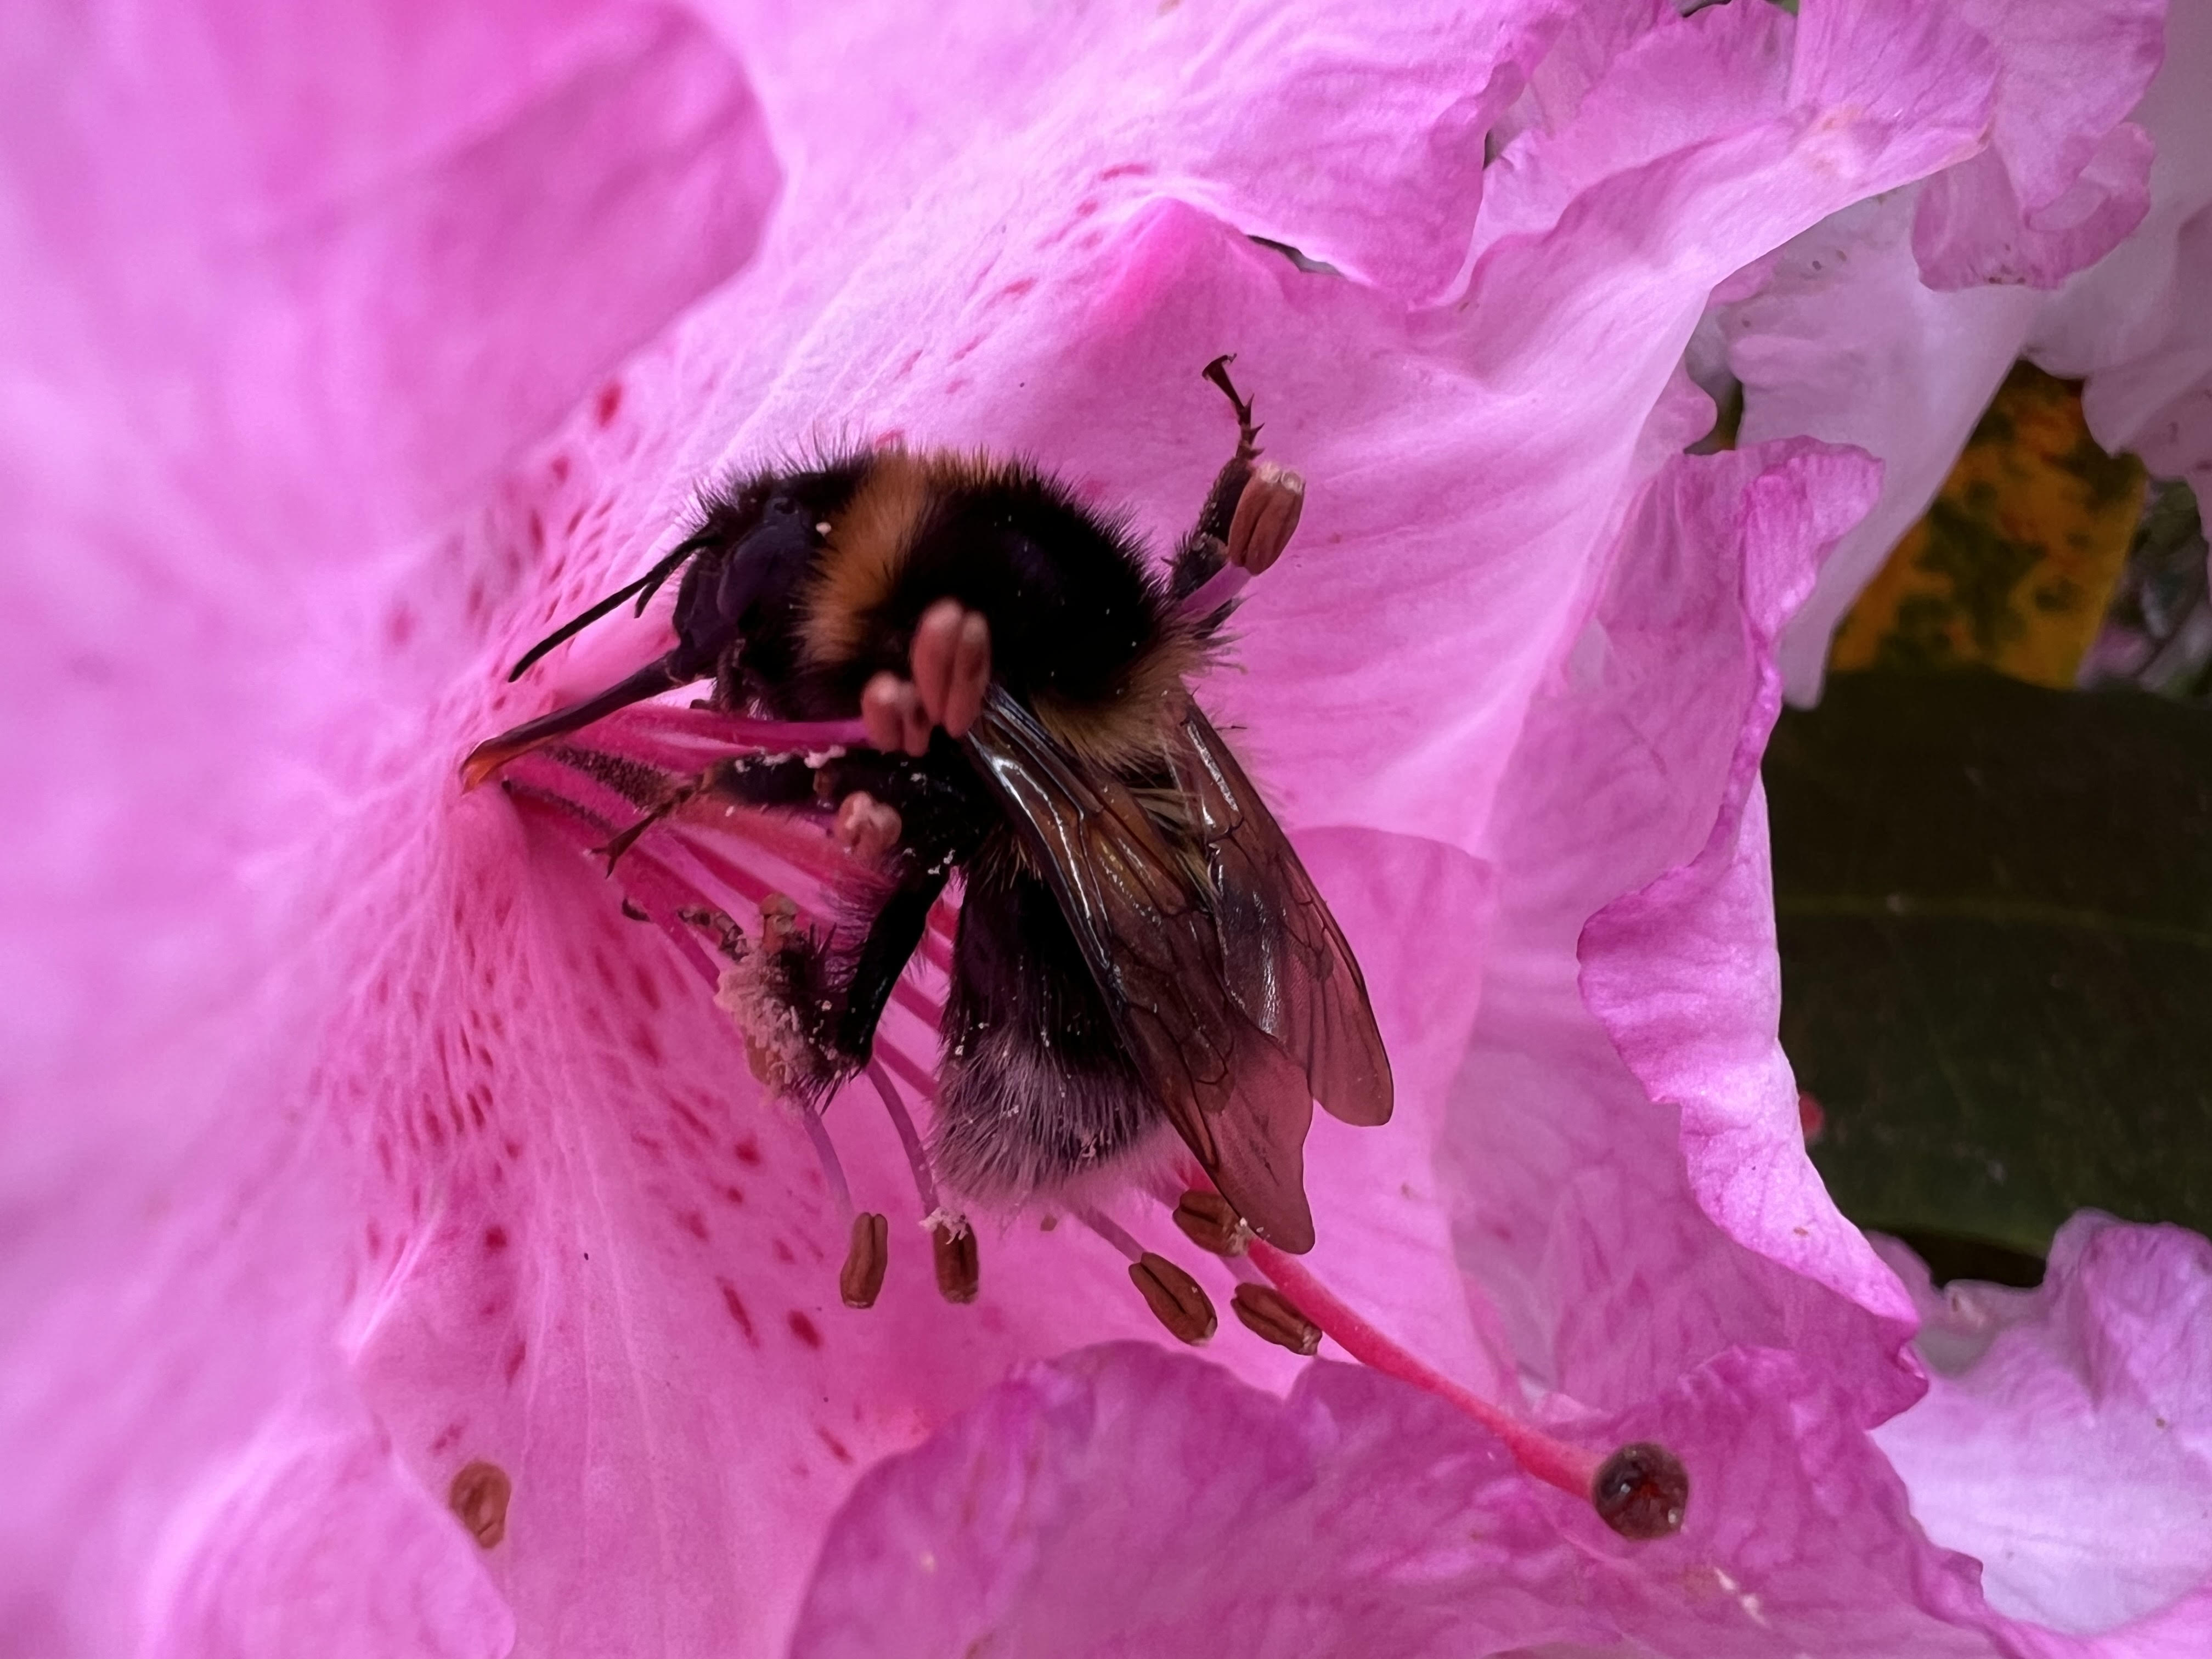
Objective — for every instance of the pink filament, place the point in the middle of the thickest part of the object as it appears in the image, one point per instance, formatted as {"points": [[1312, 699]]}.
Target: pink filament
{"points": [[657, 890], [721, 734], [1216, 591], [1113, 1232], [1570, 1468], [911, 1072], [925, 1182], [832, 1170]]}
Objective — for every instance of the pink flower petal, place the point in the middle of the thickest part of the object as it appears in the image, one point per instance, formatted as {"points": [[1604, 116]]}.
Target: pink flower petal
{"points": [[2063, 180], [1970, 227], [2066, 1439], [345, 251], [1846, 343], [276, 294], [267, 1553], [1125, 1501], [1631, 1220], [2136, 325], [1119, 1501], [1682, 973]]}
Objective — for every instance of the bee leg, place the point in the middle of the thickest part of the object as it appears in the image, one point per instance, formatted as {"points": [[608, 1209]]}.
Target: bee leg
{"points": [[673, 801], [891, 941], [950, 658], [1247, 434], [1249, 513]]}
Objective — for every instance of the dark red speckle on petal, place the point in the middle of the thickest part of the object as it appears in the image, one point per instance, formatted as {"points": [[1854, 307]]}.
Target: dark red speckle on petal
{"points": [[737, 1311], [748, 1152], [608, 403], [803, 1329], [514, 1359], [837, 1448], [495, 1238]]}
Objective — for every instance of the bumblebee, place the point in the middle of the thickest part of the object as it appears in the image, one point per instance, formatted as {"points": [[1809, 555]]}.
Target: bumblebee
{"points": [[1138, 945]]}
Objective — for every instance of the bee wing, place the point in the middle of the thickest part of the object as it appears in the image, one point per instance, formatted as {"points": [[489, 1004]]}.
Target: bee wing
{"points": [[1286, 963], [1238, 1099]]}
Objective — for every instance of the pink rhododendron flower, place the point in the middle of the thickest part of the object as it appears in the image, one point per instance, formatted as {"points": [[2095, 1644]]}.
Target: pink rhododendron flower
{"points": [[401, 1257]]}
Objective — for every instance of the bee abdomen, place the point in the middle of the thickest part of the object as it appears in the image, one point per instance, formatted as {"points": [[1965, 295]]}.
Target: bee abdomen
{"points": [[1036, 1087]]}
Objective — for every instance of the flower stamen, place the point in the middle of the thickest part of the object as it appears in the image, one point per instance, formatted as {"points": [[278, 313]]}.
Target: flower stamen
{"points": [[952, 1241], [833, 1172], [1269, 1314], [917, 1159], [1211, 1223], [862, 1280], [671, 867], [1176, 1299]]}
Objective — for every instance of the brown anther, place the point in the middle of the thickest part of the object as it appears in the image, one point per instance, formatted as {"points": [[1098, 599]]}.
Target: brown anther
{"points": [[1174, 1297], [1266, 1312], [862, 1279], [1642, 1491], [958, 1272], [479, 1496], [1211, 1222]]}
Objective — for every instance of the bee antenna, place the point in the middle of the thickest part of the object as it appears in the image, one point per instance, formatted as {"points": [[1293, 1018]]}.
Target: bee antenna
{"points": [[645, 587]]}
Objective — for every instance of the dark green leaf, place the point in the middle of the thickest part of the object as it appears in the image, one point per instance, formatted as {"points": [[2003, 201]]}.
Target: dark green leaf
{"points": [[1995, 907]]}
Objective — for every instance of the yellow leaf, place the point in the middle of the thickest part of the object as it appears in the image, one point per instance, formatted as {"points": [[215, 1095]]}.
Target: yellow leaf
{"points": [[2014, 564]]}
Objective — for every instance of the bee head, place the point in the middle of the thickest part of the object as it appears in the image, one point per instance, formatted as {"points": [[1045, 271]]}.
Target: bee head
{"points": [[740, 573], [745, 561]]}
